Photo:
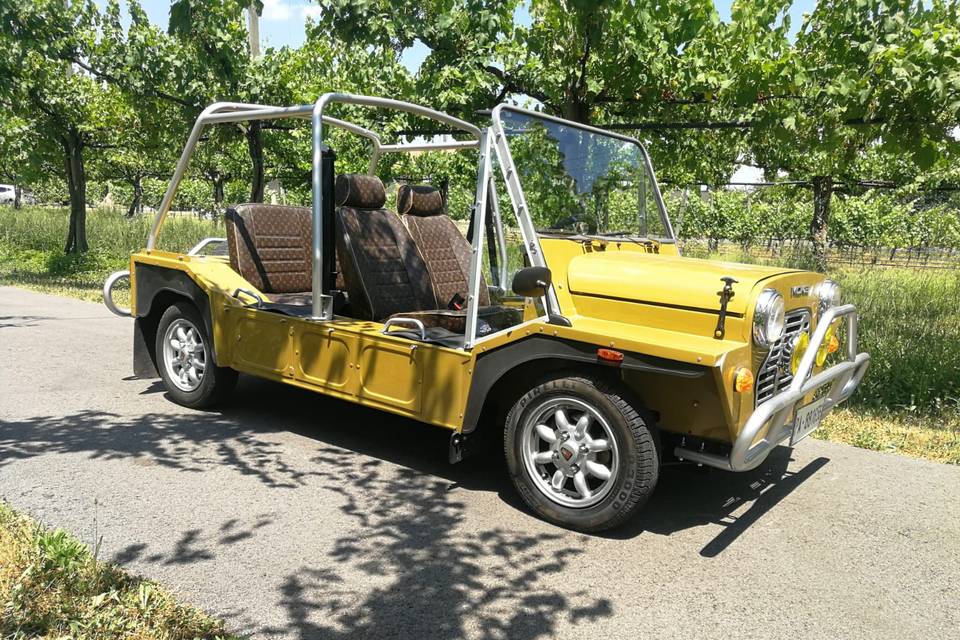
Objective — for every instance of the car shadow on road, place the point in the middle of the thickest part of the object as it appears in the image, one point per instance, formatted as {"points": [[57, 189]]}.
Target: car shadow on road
{"points": [[239, 434], [688, 496], [427, 568]]}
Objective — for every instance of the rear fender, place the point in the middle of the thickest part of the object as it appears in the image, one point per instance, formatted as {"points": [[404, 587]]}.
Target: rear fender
{"points": [[156, 289]]}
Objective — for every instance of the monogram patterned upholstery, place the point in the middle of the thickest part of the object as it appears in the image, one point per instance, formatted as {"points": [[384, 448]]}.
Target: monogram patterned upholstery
{"points": [[444, 249], [382, 269], [359, 191], [419, 201], [270, 246]]}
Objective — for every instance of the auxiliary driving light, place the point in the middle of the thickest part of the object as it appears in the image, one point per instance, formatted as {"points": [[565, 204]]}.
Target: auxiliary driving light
{"points": [[743, 380], [800, 344]]}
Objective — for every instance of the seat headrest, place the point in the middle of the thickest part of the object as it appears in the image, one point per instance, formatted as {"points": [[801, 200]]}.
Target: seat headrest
{"points": [[360, 191], [419, 200]]}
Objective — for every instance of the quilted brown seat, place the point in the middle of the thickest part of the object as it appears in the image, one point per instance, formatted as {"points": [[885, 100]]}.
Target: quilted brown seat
{"points": [[444, 249], [271, 247], [383, 272]]}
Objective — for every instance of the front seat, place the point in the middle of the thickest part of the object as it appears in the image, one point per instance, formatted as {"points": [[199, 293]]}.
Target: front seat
{"points": [[447, 256], [444, 249], [383, 272]]}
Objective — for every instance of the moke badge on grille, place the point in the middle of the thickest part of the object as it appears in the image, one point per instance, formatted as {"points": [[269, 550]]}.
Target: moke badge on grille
{"points": [[800, 292]]}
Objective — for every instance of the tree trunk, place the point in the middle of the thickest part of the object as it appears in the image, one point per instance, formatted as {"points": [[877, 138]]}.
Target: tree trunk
{"points": [[255, 147], [577, 110], [77, 185], [217, 192], [822, 192], [136, 205], [17, 196]]}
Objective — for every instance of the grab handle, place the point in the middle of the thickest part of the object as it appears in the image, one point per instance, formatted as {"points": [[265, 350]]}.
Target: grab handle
{"points": [[397, 322]]}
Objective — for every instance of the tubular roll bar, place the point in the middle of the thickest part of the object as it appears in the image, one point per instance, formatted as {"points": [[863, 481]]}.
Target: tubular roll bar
{"points": [[322, 306], [231, 112]]}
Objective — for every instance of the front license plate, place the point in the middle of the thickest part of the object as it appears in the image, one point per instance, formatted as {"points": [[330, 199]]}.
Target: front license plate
{"points": [[808, 419]]}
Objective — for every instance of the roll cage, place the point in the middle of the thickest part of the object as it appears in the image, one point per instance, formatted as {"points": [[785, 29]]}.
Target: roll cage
{"points": [[488, 141]]}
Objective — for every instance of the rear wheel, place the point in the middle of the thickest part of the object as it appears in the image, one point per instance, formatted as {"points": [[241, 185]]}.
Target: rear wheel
{"points": [[580, 454], [185, 358]]}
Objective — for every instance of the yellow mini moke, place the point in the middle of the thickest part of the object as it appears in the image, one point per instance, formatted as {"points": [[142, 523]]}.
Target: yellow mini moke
{"points": [[565, 318]]}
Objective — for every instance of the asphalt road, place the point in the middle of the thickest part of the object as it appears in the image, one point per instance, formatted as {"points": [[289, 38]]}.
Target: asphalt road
{"points": [[295, 516]]}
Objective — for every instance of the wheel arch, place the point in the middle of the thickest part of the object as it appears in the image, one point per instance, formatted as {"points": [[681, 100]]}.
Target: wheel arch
{"points": [[156, 289], [499, 373]]}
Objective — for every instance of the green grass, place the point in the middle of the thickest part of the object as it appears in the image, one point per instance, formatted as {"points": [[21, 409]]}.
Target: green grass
{"points": [[31, 247], [931, 435], [53, 586]]}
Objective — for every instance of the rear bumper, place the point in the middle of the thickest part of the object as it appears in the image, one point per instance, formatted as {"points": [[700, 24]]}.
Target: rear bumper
{"points": [[770, 418]]}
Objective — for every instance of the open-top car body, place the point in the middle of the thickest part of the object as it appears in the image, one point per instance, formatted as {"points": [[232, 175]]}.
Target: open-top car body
{"points": [[565, 319]]}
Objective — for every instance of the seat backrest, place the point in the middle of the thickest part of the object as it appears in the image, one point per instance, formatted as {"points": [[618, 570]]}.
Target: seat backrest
{"points": [[271, 246], [383, 272], [444, 249]]}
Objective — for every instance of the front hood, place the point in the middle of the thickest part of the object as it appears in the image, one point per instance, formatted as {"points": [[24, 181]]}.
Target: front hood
{"points": [[669, 281]]}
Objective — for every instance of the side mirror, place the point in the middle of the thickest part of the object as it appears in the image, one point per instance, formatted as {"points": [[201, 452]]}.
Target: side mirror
{"points": [[532, 282]]}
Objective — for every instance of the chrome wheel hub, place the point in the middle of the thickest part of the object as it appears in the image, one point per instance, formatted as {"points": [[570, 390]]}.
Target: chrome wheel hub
{"points": [[570, 453], [184, 356]]}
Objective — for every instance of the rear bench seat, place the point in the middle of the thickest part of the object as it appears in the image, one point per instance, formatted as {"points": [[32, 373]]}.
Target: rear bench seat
{"points": [[271, 246]]}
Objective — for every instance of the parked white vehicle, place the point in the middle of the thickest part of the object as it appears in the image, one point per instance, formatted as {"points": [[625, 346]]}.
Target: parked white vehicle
{"points": [[8, 195]]}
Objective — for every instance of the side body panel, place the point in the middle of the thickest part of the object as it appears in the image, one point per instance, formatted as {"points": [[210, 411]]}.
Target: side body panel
{"points": [[344, 358]]}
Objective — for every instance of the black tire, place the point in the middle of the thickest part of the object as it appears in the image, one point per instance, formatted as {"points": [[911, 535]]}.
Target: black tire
{"points": [[637, 454], [216, 383]]}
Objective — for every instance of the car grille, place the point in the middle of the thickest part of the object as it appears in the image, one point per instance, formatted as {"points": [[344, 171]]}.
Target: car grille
{"points": [[774, 375]]}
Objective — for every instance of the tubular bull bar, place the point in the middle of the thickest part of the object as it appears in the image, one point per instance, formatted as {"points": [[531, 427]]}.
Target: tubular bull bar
{"points": [[770, 418]]}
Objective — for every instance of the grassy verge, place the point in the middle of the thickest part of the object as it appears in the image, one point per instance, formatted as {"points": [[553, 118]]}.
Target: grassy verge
{"points": [[909, 401], [52, 586], [933, 436]]}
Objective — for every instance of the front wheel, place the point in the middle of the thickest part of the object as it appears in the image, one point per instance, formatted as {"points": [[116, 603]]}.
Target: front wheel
{"points": [[185, 358], [580, 454]]}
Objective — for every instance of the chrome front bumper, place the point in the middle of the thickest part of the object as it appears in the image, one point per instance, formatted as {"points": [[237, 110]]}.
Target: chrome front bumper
{"points": [[771, 417]]}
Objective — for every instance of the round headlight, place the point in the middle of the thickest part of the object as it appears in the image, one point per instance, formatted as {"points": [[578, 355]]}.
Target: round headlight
{"points": [[768, 318], [828, 292]]}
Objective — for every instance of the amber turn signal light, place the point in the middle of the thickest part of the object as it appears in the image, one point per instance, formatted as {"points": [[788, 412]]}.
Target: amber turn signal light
{"points": [[830, 345], [834, 344], [743, 380], [609, 355]]}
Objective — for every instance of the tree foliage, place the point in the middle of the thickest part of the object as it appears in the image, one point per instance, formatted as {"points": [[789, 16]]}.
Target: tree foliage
{"points": [[864, 89]]}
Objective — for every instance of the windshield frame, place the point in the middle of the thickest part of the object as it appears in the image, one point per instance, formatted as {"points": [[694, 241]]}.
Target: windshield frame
{"points": [[521, 209]]}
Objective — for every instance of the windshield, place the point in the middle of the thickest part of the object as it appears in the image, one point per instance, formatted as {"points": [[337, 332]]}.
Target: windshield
{"points": [[578, 181]]}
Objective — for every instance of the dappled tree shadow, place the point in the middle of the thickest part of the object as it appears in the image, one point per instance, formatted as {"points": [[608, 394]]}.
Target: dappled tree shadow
{"points": [[193, 545], [417, 562], [430, 574]]}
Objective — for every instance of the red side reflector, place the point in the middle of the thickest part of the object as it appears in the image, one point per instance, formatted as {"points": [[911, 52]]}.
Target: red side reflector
{"points": [[609, 355]]}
